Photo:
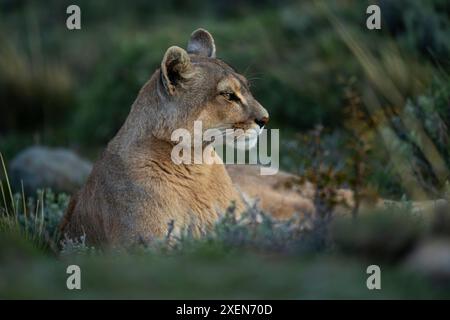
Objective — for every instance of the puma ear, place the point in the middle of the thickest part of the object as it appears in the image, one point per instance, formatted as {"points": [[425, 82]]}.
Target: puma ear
{"points": [[175, 67], [202, 43]]}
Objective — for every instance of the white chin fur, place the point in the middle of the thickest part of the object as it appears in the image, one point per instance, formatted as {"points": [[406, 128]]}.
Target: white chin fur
{"points": [[249, 140]]}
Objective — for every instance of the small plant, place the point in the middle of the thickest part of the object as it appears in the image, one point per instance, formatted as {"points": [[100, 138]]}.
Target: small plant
{"points": [[76, 246], [37, 219]]}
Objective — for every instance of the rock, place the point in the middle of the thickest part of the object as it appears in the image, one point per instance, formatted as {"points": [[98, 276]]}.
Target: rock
{"points": [[441, 219], [42, 167], [381, 236], [432, 259]]}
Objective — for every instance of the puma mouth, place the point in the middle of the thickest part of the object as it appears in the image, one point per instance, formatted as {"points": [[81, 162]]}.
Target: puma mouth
{"points": [[245, 126], [240, 138]]}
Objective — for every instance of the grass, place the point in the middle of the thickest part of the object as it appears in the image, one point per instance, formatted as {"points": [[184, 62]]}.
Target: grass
{"points": [[208, 269], [210, 274], [254, 257], [34, 218]]}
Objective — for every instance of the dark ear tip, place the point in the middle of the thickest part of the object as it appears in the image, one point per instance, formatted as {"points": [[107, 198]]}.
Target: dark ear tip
{"points": [[175, 53], [200, 32], [202, 42]]}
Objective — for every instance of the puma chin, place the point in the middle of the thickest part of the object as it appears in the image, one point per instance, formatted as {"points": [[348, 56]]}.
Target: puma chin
{"points": [[245, 139]]}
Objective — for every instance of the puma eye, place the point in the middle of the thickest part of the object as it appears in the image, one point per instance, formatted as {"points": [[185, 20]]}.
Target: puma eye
{"points": [[230, 96]]}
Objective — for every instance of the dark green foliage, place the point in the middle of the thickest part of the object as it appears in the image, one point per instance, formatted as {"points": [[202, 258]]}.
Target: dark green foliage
{"points": [[421, 25], [432, 113], [34, 94]]}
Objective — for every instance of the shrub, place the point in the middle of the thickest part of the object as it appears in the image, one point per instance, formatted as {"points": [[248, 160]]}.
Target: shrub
{"points": [[423, 26], [35, 218]]}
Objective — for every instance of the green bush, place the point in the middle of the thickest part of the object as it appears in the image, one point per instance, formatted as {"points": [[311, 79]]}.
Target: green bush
{"points": [[423, 26], [422, 128]]}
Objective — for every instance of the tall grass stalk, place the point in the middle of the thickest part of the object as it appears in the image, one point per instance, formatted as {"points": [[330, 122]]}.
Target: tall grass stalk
{"points": [[37, 221], [24, 205], [5, 173]]}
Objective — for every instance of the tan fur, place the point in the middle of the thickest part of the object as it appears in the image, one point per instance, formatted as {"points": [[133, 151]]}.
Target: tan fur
{"points": [[283, 194], [274, 192]]}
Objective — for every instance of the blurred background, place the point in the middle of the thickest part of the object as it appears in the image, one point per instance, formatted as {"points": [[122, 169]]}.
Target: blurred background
{"points": [[358, 108]]}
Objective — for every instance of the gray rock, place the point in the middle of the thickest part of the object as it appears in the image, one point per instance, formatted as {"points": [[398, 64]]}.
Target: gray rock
{"points": [[432, 259], [42, 167]]}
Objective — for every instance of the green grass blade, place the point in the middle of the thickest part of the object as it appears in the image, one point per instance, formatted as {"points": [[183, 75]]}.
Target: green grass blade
{"points": [[8, 183], [24, 209]]}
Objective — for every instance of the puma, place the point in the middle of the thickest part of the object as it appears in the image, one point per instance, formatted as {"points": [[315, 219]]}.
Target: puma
{"points": [[136, 192]]}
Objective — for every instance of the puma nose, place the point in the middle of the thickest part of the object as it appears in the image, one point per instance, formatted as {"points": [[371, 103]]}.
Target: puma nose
{"points": [[262, 122]]}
